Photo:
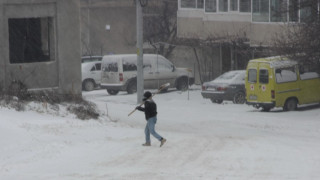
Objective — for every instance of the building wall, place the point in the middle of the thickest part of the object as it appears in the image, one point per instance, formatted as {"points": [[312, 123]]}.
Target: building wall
{"points": [[196, 23], [120, 16], [63, 72]]}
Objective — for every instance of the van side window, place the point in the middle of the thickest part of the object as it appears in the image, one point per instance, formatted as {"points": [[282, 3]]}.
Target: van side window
{"points": [[98, 66], [264, 76], [129, 66], [164, 65], [308, 72], [286, 74], [111, 67], [252, 75], [147, 67]]}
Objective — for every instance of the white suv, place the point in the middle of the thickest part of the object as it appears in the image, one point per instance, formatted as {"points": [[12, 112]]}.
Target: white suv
{"points": [[119, 73]]}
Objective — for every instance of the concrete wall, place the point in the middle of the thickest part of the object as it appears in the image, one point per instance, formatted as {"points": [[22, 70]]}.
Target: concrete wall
{"points": [[121, 18], [196, 23], [62, 73]]}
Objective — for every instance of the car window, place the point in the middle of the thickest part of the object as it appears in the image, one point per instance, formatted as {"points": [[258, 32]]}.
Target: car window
{"points": [[98, 66], [164, 65], [264, 76], [286, 74], [252, 75], [147, 67], [111, 67], [93, 68], [309, 72], [129, 64]]}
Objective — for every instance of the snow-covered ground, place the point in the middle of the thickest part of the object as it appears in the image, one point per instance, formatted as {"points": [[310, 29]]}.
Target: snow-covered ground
{"points": [[204, 141]]}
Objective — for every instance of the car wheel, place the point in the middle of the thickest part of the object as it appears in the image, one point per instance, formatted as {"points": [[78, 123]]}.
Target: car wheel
{"points": [[239, 98], [88, 85], [132, 87], [218, 101], [182, 84], [290, 105], [112, 92]]}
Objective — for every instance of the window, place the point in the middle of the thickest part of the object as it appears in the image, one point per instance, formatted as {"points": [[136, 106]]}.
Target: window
{"points": [[260, 10], [293, 10], [31, 40], [129, 64], [245, 5], [286, 75], [164, 65], [98, 66], [252, 75], [233, 5], [278, 10], [223, 5], [192, 4], [200, 4], [211, 5], [264, 76], [111, 67], [308, 10], [188, 3], [309, 72]]}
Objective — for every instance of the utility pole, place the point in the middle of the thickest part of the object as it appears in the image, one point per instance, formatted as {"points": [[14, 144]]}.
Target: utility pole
{"points": [[140, 79]]}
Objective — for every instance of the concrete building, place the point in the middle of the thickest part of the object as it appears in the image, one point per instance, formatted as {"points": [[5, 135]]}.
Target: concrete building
{"points": [[40, 44], [256, 21]]}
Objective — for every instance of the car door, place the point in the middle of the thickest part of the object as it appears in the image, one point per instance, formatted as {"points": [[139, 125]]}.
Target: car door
{"points": [[96, 72], [164, 71], [149, 67]]}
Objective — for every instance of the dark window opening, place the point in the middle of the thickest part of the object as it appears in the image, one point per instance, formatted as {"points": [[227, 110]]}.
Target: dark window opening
{"points": [[31, 40], [264, 76]]}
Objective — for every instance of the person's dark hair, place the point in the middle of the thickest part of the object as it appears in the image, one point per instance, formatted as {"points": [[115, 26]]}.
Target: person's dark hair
{"points": [[147, 94]]}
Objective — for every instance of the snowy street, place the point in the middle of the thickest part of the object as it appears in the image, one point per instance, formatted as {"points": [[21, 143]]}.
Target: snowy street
{"points": [[204, 141]]}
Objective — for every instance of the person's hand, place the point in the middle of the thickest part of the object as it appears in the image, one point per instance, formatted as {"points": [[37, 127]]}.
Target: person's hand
{"points": [[137, 107]]}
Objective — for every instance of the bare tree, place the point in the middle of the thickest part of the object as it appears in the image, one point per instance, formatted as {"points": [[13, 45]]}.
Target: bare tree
{"points": [[160, 25], [301, 41]]}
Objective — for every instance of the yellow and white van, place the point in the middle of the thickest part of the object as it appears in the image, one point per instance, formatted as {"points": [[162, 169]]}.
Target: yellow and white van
{"points": [[280, 82]]}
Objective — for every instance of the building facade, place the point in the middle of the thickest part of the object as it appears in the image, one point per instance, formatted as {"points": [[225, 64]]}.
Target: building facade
{"points": [[40, 45], [255, 21]]}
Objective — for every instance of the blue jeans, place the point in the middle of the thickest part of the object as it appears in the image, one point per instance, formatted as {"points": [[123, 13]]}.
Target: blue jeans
{"points": [[150, 129]]}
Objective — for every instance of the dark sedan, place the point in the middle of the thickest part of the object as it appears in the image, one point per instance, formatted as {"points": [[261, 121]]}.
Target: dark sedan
{"points": [[229, 86]]}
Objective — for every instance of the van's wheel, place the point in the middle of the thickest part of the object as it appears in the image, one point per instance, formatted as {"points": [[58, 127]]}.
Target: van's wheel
{"points": [[112, 92], [132, 87], [182, 84], [239, 98], [88, 85], [290, 105], [218, 101]]}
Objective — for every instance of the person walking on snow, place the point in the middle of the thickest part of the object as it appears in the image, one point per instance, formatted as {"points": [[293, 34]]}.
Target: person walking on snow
{"points": [[150, 110]]}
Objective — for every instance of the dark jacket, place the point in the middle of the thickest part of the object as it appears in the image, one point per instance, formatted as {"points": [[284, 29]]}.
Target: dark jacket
{"points": [[150, 109]]}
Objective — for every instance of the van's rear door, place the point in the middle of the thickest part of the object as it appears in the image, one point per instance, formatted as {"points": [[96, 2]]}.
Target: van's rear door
{"points": [[259, 86], [110, 70]]}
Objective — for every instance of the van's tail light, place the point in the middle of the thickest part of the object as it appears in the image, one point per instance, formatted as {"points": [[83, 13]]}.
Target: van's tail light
{"points": [[273, 95], [120, 76]]}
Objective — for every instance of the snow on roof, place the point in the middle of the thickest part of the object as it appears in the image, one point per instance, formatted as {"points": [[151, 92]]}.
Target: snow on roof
{"points": [[277, 61]]}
